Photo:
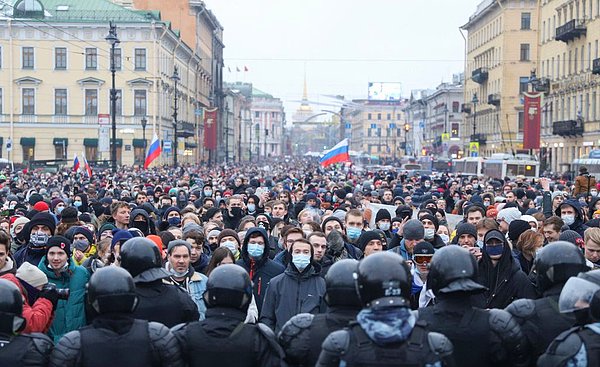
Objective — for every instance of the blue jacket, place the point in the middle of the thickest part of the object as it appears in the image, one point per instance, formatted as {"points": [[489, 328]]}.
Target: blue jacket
{"points": [[262, 270], [69, 314], [401, 250], [292, 293]]}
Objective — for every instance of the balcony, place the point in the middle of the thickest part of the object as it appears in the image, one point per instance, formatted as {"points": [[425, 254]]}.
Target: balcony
{"points": [[465, 108], [567, 128], [596, 66], [480, 138], [574, 28], [494, 99], [480, 75], [185, 129], [542, 86]]}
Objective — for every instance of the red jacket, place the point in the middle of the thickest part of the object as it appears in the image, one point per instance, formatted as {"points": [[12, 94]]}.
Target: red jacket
{"points": [[38, 316]]}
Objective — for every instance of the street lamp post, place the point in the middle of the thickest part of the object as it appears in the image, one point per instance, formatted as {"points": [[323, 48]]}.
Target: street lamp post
{"points": [[406, 129], [144, 124], [175, 79], [226, 132], [113, 41], [475, 100]]}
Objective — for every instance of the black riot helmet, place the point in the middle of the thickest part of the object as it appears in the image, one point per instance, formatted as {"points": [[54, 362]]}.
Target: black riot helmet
{"points": [[11, 308], [229, 286], [453, 269], [111, 290], [556, 262], [141, 258], [381, 278], [339, 282]]}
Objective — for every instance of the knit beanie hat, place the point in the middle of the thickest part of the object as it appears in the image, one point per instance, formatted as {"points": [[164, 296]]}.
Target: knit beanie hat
{"points": [[119, 237], [61, 242], [45, 219], [34, 198], [19, 220], [229, 232], [41, 206], [433, 219], [340, 193], [157, 241], [31, 274], [55, 202], [191, 227], [69, 215], [556, 193], [573, 237], [423, 248], [176, 243], [329, 219], [84, 231], [466, 228], [382, 214], [413, 230], [106, 227], [508, 215], [516, 228], [368, 236]]}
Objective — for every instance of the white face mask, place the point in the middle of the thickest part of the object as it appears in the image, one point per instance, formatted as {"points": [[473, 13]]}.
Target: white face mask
{"points": [[445, 238], [429, 233], [384, 226], [568, 219]]}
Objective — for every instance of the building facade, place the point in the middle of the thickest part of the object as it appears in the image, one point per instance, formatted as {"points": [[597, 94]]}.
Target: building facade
{"points": [[501, 52], [569, 66], [55, 82], [268, 118]]}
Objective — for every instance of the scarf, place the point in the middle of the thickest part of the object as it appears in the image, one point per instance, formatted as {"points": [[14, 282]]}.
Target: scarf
{"points": [[387, 325]]}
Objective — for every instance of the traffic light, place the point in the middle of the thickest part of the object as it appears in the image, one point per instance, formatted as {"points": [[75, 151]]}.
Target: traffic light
{"points": [[406, 127]]}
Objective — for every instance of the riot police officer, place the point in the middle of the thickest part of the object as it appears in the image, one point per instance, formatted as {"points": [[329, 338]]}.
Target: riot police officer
{"points": [[19, 350], [540, 320], [302, 336], [165, 303], [580, 345], [115, 337], [480, 337], [223, 339], [386, 332]]}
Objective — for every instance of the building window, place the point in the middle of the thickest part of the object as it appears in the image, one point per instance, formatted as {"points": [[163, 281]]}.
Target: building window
{"points": [[28, 58], [454, 130], [91, 153], [273, 115], [0, 60], [60, 101], [118, 58], [524, 52], [60, 151], [1, 101], [119, 104], [389, 116], [140, 59], [521, 121], [455, 106], [60, 58], [257, 114], [91, 102], [523, 84], [139, 102], [369, 116], [525, 20], [28, 153], [594, 114], [91, 59], [139, 155], [378, 116], [28, 101], [398, 116]]}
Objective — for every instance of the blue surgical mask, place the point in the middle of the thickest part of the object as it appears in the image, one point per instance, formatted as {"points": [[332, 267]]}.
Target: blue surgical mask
{"points": [[255, 250], [208, 193], [445, 238], [494, 250], [251, 208], [353, 232], [77, 204], [479, 243], [174, 221], [301, 261], [60, 209], [231, 246]]}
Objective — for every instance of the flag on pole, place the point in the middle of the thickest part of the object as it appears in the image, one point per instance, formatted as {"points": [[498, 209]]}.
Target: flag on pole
{"points": [[245, 68], [338, 154], [229, 68], [76, 164], [86, 166], [153, 152], [237, 69]]}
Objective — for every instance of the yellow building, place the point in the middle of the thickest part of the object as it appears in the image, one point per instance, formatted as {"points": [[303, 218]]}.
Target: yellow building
{"points": [[569, 64], [55, 82], [501, 53]]}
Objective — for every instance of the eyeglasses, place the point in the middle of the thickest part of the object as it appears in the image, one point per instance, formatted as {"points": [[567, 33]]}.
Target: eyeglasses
{"points": [[422, 259]]}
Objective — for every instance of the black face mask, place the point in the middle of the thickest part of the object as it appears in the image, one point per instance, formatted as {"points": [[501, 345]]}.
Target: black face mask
{"points": [[583, 317], [236, 212], [142, 226], [469, 192]]}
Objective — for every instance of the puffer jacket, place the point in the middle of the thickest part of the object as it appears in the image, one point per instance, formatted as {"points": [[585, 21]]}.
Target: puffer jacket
{"points": [[261, 271], [195, 286], [578, 226], [69, 314], [292, 293]]}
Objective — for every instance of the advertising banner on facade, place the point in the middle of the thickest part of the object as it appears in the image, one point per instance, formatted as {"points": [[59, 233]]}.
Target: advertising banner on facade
{"points": [[210, 129], [532, 123]]}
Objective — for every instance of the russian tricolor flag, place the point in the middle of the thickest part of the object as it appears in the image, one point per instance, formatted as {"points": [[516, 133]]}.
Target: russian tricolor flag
{"points": [[76, 164], [337, 154], [87, 167], [153, 152]]}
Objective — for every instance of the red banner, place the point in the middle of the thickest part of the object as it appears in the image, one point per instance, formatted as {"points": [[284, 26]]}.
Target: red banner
{"points": [[210, 129], [532, 121]]}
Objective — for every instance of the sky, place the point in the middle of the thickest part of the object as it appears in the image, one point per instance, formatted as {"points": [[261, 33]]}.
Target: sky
{"points": [[342, 45]]}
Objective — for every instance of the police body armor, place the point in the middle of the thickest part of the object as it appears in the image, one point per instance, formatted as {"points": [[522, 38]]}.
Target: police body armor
{"points": [[100, 346], [323, 325], [14, 352], [567, 345], [238, 349], [470, 336], [414, 352]]}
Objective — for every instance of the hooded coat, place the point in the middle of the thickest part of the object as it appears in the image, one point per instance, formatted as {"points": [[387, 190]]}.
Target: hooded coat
{"points": [[262, 270], [134, 213], [506, 281], [69, 314], [291, 293], [577, 226]]}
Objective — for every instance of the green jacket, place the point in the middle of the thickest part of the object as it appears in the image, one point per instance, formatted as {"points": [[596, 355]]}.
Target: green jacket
{"points": [[69, 314]]}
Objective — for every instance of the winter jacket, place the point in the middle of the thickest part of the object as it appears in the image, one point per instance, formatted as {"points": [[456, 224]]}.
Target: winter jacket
{"points": [[39, 315], [583, 184], [202, 263], [578, 225], [261, 271], [32, 255], [69, 314], [506, 281], [195, 285], [292, 293], [401, 250]]}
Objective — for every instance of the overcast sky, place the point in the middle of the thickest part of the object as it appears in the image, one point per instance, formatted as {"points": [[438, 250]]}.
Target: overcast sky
{"points": [[342, 44]]}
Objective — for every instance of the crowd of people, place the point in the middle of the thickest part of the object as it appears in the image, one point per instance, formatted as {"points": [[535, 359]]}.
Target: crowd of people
{"points": [[291, 264]]}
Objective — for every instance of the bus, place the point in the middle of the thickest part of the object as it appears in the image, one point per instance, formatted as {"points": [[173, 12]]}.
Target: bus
{"points": [[591, 162], [498, 166], [468, 166]]}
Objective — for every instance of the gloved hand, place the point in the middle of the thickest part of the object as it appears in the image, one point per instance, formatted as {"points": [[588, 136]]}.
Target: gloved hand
{"points": [[49, 292]]}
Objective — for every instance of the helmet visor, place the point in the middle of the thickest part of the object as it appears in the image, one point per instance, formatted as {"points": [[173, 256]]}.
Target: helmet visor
{"points": [[576, 295]]}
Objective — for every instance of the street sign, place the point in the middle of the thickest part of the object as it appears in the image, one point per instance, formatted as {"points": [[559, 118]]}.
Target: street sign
{"points": [[474, 148], [8, 144], [103, 139], [103, 119], [198, 111], [422, 124], [445, 137], [167, 146]]}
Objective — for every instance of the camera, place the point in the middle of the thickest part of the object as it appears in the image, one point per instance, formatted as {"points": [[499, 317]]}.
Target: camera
{"points": [[63, 293]]}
